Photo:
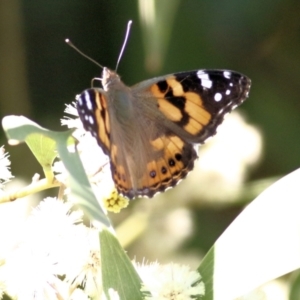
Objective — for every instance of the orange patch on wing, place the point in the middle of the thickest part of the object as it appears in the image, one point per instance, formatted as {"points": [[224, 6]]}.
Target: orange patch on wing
{"points": [[101, 130], [197, 112], [193, 127], [102, 134], [113, 153], [149, 181], [168, 109], [172, 112], [174, 147], [155, 91], [158, 144], [161, 163], [194, 97], [177, 142], [119, 174], [163, 172], [176, 87], [199, 117]]}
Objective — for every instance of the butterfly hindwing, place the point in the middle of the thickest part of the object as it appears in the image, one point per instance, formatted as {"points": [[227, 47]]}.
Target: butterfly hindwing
{"points": [[161, 171]]}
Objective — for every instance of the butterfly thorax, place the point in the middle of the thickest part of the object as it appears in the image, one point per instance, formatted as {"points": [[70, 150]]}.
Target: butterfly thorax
{"points": [[119, 99]]}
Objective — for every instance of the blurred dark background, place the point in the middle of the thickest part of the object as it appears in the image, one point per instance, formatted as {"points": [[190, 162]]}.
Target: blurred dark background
{"points": [[39, 73]]}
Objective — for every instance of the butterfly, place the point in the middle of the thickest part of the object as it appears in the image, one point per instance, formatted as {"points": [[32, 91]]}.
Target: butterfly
{"points": [[149, 130]]}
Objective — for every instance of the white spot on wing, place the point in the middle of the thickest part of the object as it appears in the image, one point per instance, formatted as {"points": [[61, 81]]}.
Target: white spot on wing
{"points": [[227, 74], [91, 120], [202, 75], [227, 92], [205, 81], [88, 100], [218, 97]]}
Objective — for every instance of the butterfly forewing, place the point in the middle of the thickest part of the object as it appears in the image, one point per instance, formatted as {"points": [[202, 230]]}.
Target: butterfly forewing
{"points": [[197, 101], [93, 113], [149, 130]]}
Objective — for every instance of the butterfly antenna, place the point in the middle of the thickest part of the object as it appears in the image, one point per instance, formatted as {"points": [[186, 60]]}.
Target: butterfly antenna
{"points": [[125, 42], [81, 53]]}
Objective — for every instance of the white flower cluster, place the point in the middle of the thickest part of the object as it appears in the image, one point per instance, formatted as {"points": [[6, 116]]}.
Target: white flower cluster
{"points": [[54, 255], [58, 257], [5, 174], [170, 282]]}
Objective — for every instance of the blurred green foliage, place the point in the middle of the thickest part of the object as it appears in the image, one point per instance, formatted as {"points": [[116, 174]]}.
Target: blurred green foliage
{"points": [[258, 38]]}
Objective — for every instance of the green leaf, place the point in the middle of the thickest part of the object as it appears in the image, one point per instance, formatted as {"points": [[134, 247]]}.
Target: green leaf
{"points": [[261, 244], [43, 148], [20, 129], [295, 288], [206, 270], [117, 270]]}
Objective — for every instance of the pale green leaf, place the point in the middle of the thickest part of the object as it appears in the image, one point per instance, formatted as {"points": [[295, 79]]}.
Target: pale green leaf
{"points": [[117, 270], [295, 288], [43, 148], [20, 129], [261, 244]]}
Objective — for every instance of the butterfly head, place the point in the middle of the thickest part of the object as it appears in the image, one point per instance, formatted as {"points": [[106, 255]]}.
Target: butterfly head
{"points": [[109, 78]]}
